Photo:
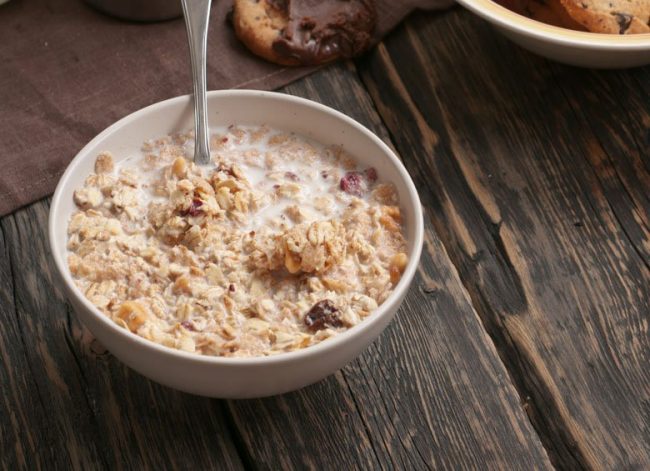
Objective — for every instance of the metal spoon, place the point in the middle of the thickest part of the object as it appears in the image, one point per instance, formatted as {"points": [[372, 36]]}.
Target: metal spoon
{"points": [[197, 13]]}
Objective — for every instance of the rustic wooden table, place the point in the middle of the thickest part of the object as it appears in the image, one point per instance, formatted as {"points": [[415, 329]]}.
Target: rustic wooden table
{"points": [[522, 344]]}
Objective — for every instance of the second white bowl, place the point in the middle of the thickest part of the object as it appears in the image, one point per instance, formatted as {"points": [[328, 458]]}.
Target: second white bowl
{"points": [[579, 48]]}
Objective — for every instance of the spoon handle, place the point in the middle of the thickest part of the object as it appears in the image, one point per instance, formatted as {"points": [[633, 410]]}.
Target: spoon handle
{"points": [[197, 13]]}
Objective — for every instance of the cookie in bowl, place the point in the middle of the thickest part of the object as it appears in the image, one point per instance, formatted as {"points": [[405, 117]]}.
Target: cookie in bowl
{"points": [[551, 12], [596, 16], [610, 16], [593, 33]]}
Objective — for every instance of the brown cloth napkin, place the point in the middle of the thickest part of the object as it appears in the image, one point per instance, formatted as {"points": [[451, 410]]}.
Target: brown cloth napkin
{"points": [[67, 72]]}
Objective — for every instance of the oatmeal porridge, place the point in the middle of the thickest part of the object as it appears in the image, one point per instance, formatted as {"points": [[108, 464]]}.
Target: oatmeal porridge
{"points": [[277, 245]]}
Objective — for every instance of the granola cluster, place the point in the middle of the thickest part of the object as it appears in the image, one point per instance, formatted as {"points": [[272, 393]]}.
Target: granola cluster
{"points": [[278, 245]]}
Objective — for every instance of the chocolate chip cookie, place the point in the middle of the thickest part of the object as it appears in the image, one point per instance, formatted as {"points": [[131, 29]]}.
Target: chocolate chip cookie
{"points": [[611, 16], [304, 32]]}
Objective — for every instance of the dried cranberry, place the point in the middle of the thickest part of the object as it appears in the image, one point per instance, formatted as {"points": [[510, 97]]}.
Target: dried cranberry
{"points": [[188, 325], [371, 174], [224, 139], [352, 183], [194, 208], [291, 176], [322, 314]]}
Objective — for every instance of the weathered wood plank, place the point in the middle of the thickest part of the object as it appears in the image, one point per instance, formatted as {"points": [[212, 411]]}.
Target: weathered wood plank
{"points": [[612, 108], [22, 407], [537, 182], [69, 404], [431, 392]]}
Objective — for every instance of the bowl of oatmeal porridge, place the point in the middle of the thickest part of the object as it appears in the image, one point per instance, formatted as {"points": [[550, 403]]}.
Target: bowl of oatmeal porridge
{"points": [[260, 273]]}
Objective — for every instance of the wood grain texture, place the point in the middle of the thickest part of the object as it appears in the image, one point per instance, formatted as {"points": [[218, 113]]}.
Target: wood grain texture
{"points": [[67, 403], [536, 178], [611, 110], [430, 392]]}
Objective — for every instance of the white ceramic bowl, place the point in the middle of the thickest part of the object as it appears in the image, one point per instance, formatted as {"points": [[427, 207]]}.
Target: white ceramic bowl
{"points": [[236, 377], [607, 51]]}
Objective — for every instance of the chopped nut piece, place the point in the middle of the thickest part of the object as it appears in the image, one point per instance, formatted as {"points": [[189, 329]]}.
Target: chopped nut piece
{"points": [[390, 218], [291, 262], [133, 314], [88, 197], [182, 285], [397, 266], [104, 163], [312, 247], [399, 260], [179, 167]]}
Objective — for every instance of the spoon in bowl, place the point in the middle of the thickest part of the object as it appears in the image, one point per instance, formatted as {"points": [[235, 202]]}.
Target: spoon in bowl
{"points": [[197, 14]]}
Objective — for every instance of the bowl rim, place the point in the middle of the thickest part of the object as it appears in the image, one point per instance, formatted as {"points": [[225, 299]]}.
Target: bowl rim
{"points": [[392, 301], [496, 13]]}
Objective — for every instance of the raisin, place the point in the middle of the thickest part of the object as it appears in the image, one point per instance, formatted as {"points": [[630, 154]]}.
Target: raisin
{"points": [[371, 174], [188, 325], [322, 314], [324, 174], [353, 184], [231, 288], [291, 176], [194, 208]]}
